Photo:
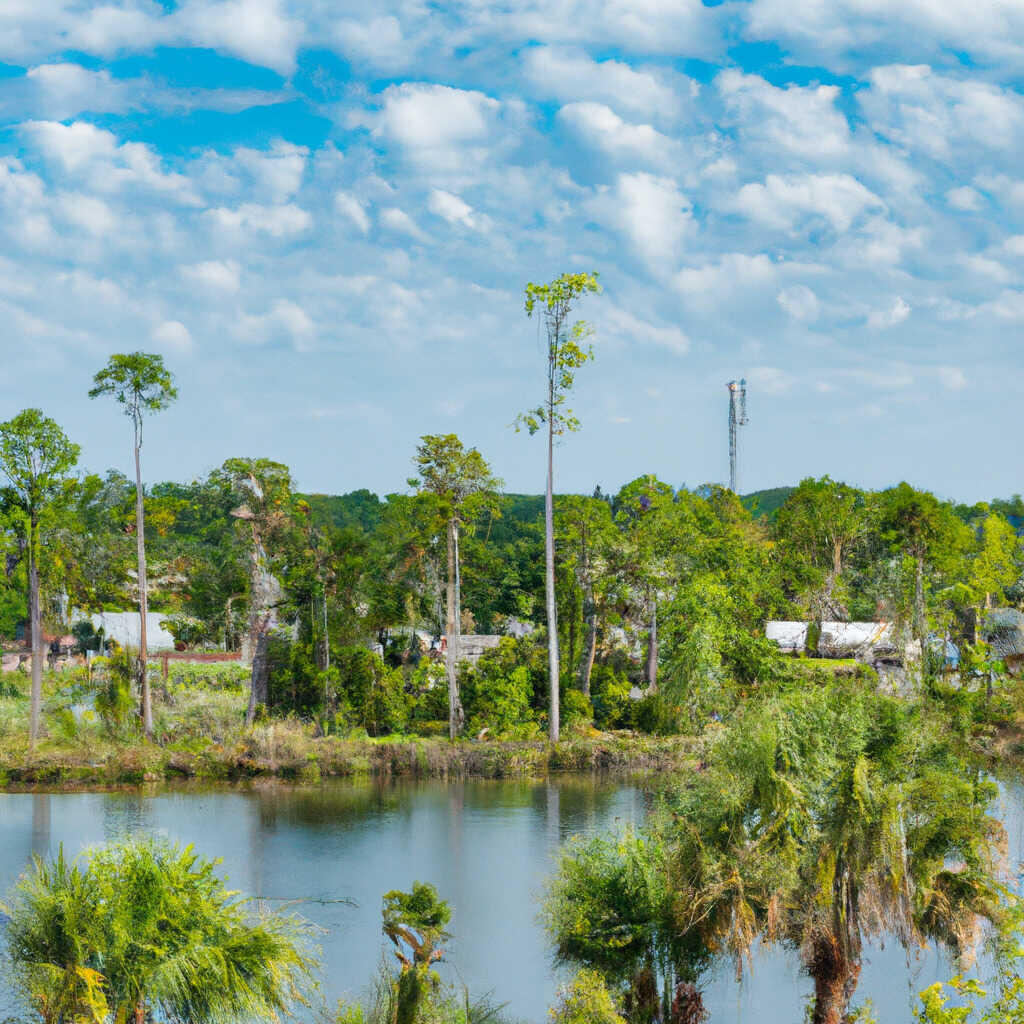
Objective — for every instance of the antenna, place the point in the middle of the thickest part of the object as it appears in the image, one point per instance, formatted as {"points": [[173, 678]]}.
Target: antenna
{"points": [[737, 419]]}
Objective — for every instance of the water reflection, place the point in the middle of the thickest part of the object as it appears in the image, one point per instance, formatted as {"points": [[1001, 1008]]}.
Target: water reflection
{"points": [[486, 845]]}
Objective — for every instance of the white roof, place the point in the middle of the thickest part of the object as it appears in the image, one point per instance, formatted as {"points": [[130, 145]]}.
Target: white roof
{"points": [[790, 636], [853, 636], [124, 627]]}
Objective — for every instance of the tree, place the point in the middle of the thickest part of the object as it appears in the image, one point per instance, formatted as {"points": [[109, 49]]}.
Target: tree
{"points": [[817, 526], [35, 456], [586, 536], [924, 529], [461, 480], [144, 930], [264, 490], [140, 383], [565, 354], [415, 923]]}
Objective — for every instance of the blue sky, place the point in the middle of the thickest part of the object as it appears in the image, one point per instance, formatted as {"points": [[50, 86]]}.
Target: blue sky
{"points": [[323, 216]]}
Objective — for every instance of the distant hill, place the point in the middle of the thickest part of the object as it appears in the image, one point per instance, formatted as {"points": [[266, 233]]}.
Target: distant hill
{"points": [[765, 504]]}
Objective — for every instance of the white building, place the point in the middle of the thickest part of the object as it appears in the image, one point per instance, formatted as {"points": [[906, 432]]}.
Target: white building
{"points": [[124, 628]]}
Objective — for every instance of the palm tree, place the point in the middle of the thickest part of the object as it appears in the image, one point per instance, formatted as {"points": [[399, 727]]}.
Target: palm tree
{"points": [[144, 927]]}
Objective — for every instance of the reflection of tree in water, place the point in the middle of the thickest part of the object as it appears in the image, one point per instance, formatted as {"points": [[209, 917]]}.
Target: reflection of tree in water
{"points": [[41, 824], [125, 814]]}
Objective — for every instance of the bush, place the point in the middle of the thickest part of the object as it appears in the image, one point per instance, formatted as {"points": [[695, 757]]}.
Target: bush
{"points": [[586, 1001], [374, 692], [429, 696], [576, 709], [497, 693], [657, 715], [609, 694]]}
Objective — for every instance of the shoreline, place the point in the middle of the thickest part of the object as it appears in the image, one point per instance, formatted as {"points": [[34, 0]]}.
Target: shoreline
{"points": [[332, 757]]}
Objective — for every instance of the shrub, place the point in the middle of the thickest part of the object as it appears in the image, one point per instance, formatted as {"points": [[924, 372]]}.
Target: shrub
{"points": [[374, 692], [576, 709], [496, 693], [609, 694], [586, 1001]]}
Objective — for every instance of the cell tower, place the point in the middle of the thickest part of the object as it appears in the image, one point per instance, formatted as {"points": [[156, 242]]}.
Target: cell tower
{"points": [[737, 419]]}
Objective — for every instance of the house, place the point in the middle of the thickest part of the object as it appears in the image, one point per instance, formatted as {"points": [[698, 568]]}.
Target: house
{"points": [[790, 637], [1003, 630], [124, 628], [875, 643]]}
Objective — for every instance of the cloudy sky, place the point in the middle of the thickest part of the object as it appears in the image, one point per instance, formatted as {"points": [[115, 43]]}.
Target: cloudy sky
{"points": [[323, 214]]}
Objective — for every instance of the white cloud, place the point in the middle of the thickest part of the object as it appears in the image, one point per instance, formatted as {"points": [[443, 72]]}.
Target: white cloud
{"points": [[218, 275], [95, 155], [952, 378], [277, 171], [804, 120], [628, 328], [652, 213], [349, 206], [173, 335], [398, 221], [87, 212], [277, 221], [379, 41], [433, 124], [783, 202], [843, 29], [964, 198], [259, 31], [895, 314], [799, 302], [571, 75], [943, 116], [734, 272], [451, 208], [770, 379], [601, 127]]}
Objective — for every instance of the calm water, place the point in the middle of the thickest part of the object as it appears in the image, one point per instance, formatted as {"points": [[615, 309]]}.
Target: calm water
{"points": [[486, 845]]}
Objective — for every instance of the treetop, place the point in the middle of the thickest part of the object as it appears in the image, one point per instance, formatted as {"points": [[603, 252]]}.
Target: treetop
{"points": [[138, 380]]}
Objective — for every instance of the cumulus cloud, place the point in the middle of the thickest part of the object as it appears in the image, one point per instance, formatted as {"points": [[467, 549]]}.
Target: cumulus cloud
{"points": [[349, 206], [626, 327], [572, 75], [398, 221], [451, 208], [599, 126], [890, 317], [652, 213], [799, 302], [786, 202], [174, 336], [278, 221], [434, 125], [218, 275]]}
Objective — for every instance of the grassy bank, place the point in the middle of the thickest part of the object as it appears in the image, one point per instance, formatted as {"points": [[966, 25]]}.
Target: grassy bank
{"points": [[287, 750]]}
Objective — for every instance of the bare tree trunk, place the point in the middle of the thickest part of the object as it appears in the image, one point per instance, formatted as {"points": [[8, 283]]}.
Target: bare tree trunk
{"points": [[259, 686], [651, 673], [140, 539], [837, 558], [590, 644], [919, 624], [549, 576], [35, 633], [835, 980], [453, 628]]}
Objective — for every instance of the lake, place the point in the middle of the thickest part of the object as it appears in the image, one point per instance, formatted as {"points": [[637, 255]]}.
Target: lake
{"points": [[486, 845]]}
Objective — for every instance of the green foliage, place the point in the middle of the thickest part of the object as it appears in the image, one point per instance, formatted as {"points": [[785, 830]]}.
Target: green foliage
{"points": [[114, 703], [1006, 1008], [499, 691], [576, 708], [374, 692], [149, 926], [609, 694], [586, 1001]]}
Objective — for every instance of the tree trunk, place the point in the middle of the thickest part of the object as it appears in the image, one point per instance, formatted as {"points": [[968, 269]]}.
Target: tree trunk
{"points": [[651, 672], [259, 686], [140, 539], [549, 576], [35, 632], [835, 980], [589, 644], [919, 624], [453, 628], [837, 558]]}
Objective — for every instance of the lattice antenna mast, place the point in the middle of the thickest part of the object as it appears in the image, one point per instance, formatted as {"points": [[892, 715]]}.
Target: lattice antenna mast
{"points": [[737, 419]]}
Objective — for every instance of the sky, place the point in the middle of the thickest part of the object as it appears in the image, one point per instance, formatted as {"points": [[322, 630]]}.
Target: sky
{"points": [[323, 215]]}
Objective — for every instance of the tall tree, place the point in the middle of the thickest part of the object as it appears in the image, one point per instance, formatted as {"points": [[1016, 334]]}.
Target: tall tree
{"points": [[264, 489], [35, 456], [565, 354], [461, 479], [140, 382]]}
